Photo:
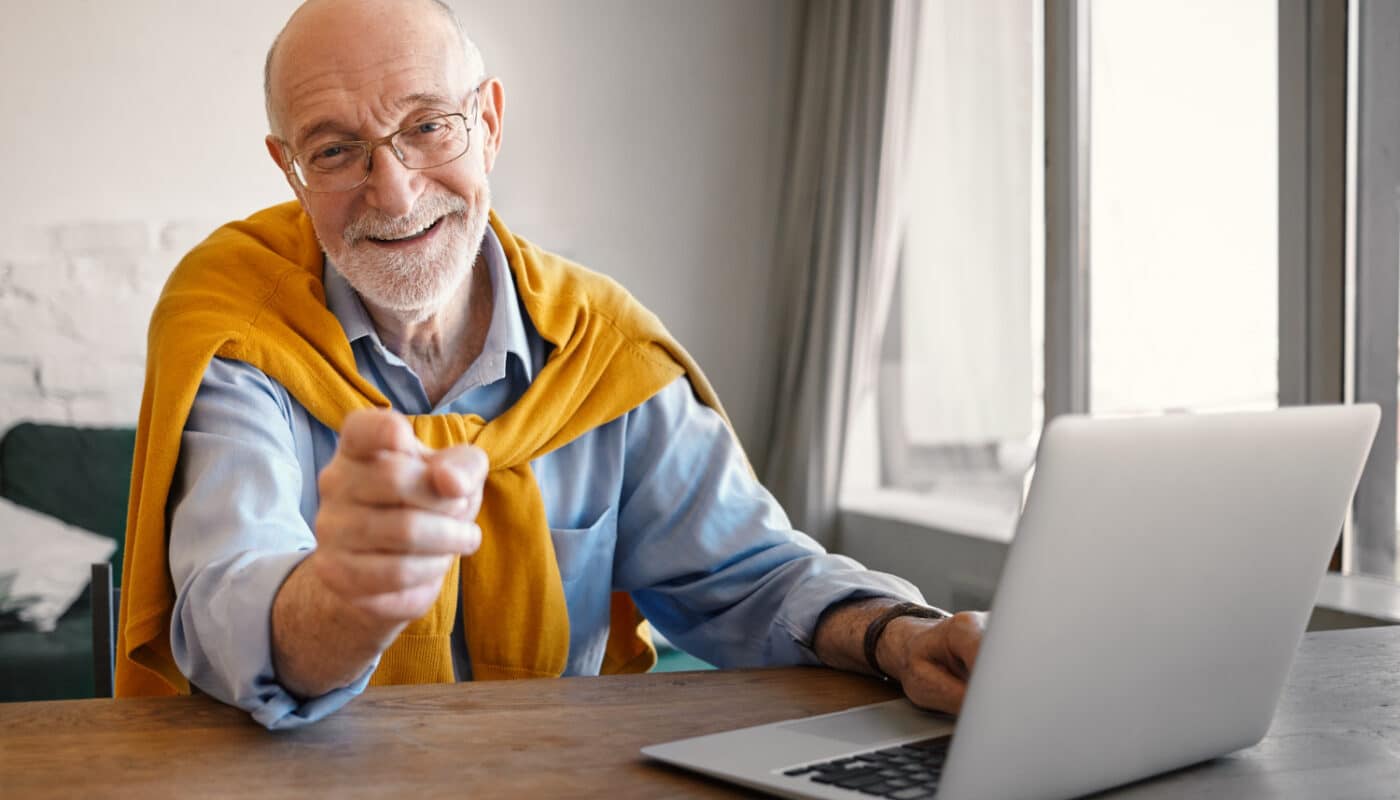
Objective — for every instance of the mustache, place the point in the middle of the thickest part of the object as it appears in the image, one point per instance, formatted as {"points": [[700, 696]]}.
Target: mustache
{"points": [[376, 224]]}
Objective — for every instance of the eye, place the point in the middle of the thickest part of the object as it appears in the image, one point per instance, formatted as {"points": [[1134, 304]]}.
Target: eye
{"points": [[427, 130], [332, 156]]}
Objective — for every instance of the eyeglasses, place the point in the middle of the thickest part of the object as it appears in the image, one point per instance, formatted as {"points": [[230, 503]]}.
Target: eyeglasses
{"points": [[427, 143]]}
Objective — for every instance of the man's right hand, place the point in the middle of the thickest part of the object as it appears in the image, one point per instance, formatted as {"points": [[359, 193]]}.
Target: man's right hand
{"points": [[393, 517]]}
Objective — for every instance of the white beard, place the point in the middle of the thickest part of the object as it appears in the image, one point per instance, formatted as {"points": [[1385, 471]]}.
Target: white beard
{"points": [[418, 282]]}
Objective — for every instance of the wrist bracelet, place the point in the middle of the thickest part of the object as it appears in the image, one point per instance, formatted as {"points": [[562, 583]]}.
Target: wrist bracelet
{"points": [[872, 633]]}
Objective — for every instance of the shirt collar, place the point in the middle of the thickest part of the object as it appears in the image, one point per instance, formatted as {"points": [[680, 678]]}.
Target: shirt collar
{"points": [[505, 337]]}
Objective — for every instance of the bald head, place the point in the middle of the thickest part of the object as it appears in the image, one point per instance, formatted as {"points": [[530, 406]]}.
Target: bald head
{"points": [[351, 26]]}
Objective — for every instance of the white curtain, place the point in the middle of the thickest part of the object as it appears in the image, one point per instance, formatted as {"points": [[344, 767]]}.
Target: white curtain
{"points": [[838, 240]]}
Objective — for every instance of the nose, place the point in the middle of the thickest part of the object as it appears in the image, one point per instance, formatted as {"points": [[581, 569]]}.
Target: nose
{"points": [[391, 187]]}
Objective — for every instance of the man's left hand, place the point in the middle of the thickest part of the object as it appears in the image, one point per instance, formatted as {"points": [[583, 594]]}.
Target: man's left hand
{"points": [[932, 658]]}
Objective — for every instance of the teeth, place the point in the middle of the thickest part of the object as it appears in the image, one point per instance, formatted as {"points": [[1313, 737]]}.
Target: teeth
{"points": [[409, 235]]}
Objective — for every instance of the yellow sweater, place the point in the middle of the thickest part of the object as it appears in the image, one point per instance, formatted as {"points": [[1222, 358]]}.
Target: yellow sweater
{"points": [[252, 292]]}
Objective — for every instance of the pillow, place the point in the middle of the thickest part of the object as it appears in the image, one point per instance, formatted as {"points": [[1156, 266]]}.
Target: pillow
{"points": [[45, 563]]}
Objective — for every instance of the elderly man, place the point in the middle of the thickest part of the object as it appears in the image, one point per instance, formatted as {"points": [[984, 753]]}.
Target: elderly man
{"points": [[385, 440]]}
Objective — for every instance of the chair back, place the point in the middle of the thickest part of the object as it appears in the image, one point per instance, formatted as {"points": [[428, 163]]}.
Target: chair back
{"points": [[106, 601]]}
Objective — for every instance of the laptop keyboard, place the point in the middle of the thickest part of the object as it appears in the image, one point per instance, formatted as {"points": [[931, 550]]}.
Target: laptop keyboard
{"points": [[903, 772]]}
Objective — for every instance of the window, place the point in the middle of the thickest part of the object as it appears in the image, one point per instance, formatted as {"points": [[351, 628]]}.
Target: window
{"points": [[959, 390], [1126, 207], [1183, 188]]}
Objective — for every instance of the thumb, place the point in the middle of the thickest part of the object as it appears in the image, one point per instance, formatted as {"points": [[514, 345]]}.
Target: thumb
{"points": [[458, 471]]}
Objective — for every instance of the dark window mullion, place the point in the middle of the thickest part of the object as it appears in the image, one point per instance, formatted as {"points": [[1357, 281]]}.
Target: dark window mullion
{"points": [[1377, 271], [1067, 98], [1312, 64]]}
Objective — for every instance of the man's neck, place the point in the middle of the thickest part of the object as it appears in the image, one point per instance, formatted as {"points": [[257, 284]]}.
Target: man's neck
{"points": [[441, 345]]}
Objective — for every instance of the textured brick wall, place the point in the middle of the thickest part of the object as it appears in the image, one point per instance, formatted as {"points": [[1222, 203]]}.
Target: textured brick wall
{"points": [[74, 302]]}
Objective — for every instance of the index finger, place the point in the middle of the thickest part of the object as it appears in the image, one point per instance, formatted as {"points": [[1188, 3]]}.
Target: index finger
{"points": [[368, 432]]}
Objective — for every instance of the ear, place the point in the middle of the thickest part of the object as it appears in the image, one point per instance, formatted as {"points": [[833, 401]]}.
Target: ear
{"points": [[278, 151], [492, 98]]}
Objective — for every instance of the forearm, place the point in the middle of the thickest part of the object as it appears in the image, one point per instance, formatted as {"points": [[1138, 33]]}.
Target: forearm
{"points": [[318, 643]]}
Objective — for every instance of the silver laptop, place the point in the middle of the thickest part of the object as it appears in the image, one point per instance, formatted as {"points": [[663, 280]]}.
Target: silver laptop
{"points": [[1162, 575]]}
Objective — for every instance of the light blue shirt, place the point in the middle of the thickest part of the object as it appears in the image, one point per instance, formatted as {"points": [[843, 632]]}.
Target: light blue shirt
{"points": [[659, 503]]}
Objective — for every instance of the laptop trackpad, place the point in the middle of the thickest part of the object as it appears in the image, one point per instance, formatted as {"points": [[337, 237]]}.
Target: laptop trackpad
{"points": [[872, 724]]}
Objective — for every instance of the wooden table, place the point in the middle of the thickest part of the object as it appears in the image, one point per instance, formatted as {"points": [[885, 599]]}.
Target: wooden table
{"points": [[1337, 734]]}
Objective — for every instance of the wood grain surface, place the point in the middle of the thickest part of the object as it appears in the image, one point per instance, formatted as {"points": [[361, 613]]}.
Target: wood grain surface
{"points": [[1336, 735], [574, 737]]}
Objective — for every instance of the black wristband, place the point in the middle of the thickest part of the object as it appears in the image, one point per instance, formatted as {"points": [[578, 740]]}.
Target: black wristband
{"points": [[872, 633]]}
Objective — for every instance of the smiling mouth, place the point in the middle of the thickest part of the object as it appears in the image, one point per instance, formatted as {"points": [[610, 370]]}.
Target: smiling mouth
{"points": [[411, 237]]}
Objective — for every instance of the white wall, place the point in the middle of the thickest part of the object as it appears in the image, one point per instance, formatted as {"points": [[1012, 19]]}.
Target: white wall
{"points": [[128, 131], [641, 139]]}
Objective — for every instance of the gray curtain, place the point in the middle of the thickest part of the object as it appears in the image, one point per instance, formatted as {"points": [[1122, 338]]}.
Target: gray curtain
{"points": [[838, 240]]}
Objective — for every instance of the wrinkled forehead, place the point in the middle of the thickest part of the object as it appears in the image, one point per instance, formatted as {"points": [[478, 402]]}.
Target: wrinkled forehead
{"points": [[348, 65]]}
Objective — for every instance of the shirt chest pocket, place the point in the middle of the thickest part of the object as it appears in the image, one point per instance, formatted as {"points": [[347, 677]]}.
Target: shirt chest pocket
{"points": [[585, 554]]}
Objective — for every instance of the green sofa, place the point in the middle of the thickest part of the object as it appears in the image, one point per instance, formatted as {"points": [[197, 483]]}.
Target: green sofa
{"points": [[82, 476]]}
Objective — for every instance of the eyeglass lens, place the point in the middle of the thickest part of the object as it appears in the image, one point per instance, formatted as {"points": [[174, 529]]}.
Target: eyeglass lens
{"points": [[338, 166]]}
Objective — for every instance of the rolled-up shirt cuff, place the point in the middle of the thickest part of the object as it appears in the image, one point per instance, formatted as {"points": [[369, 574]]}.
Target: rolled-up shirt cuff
{"points": [[281, 710], [221, 637]]}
